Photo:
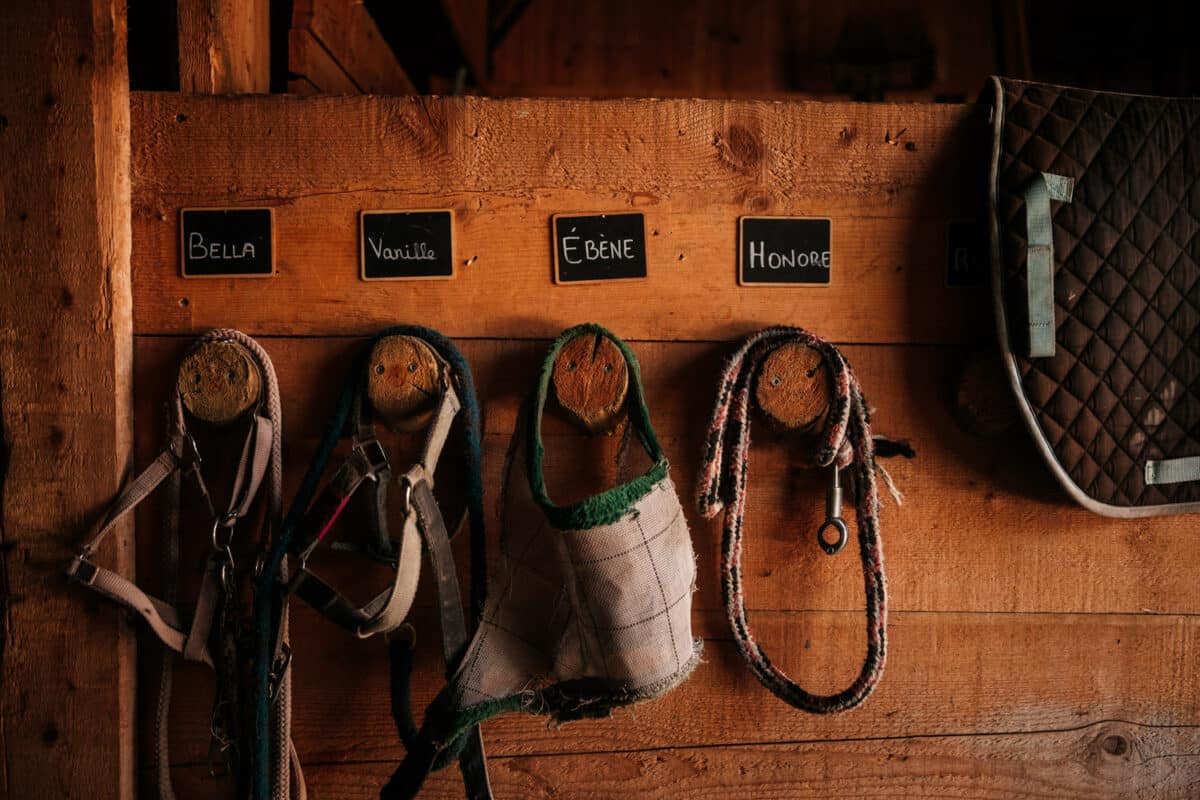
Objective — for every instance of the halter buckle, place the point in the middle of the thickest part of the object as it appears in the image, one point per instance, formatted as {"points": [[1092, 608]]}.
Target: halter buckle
{"points": [[189, 458], [82, 570], [375, 457]]}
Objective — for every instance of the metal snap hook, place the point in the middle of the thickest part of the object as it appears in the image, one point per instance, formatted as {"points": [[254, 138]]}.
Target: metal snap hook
{"points": [[843, 535], [833, 517]]}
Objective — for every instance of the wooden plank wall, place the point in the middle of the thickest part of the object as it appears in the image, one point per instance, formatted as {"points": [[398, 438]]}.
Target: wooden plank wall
{"points": [[755, 48], [1036, 650]]}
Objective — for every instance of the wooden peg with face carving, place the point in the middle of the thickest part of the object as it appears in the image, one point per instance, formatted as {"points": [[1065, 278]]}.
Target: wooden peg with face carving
{"points": [[404, 382], [218, 382], [591, 380], [793, 387]]}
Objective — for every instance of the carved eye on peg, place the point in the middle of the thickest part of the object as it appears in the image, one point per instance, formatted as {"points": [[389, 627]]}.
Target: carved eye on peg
{"points": [[218, 382], [591, 381], [793, 389], [405, 384]]}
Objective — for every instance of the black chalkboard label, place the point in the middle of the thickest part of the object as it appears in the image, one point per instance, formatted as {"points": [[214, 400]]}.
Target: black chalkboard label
{"points": [[599, 247], [227, 242], [402, 245], [967, 253], [784, 250]]}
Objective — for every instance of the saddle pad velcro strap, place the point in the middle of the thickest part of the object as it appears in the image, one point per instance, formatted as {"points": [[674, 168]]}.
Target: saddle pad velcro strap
{"points": [[1172, 470], [1039, 258]]}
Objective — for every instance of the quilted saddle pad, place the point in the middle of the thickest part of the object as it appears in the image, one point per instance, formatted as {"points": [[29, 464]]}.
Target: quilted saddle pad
{"points": [[1094, 215]]}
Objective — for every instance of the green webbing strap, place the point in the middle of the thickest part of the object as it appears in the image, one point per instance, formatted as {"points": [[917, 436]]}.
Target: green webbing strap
{"points": [[605, 508], [1172, 470], [1039, 258]]}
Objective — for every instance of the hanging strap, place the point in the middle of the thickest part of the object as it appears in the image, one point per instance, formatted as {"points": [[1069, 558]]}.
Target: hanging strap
{"points": [[1039, 258], [180, 458], [846, 443], [368, 463]]}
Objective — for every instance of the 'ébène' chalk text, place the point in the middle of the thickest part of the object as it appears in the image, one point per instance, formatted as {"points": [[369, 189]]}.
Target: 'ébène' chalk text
{"points": [[577, 249]]}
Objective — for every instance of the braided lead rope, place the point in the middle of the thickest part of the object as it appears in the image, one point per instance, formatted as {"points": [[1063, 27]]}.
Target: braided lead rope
{"points": [[285, 757], [846, 442], [284, 760]]}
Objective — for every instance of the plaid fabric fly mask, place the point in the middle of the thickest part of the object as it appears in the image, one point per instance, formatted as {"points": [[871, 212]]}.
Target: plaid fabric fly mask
{"points": [[589, 607], [845, 443]]}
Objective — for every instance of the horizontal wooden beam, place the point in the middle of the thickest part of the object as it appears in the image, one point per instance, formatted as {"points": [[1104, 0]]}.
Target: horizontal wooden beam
{"points": [[947, 675], [890, 177], [1099, 761]]}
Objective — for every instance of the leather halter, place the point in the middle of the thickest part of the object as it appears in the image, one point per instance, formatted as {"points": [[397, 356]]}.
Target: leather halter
{"points": [[192, 638]]}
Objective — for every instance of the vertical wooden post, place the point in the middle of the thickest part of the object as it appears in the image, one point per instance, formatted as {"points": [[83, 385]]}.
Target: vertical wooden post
{"points": [[225, 46], [66, 346]]}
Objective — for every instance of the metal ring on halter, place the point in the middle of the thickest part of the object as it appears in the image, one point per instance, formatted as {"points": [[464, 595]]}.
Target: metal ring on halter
{"points": [[839, 525]]}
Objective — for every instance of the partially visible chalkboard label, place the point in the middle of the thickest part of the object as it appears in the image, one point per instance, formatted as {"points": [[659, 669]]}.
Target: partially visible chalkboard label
{"points": [[966, 253], [600, 247], [776, 250], [227, 242], [399, 245]]}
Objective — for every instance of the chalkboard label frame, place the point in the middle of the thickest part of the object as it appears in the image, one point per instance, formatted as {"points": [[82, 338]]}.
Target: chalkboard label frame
{"points": [[554, 241], [984, 276], [741, 246], [183, 260], [362, 244]]}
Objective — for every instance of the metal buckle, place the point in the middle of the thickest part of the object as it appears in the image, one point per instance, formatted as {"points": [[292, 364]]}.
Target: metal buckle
{"points": [[833, 517], [376, 457], [190, 458], [82, 570]]}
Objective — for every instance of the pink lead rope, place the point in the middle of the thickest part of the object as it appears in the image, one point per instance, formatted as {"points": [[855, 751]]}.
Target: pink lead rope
{"points": [[845, 443]]}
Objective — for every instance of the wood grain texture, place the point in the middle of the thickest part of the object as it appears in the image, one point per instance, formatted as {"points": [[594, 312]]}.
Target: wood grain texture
{"points": [[683, 48], [67, 696], [219, 382], [947, 675], [505, 167], [793, 387], [404, 381], [224, 46], [340, 36], [1108, 760], [591, 379], [469, 26], [316, 72]]}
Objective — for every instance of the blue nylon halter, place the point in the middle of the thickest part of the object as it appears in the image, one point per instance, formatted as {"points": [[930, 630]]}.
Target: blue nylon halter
{"points": [[265, 616]]}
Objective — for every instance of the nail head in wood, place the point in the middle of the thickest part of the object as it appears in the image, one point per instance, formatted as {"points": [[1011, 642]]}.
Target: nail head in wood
{"points": [[591, 380], [793, 387], [218, 382], [403, 382]]}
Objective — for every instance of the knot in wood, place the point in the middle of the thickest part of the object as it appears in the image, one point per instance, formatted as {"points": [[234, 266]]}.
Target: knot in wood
{"points": [[404, 382], [218, 382], [793, 387], [591, 380]]}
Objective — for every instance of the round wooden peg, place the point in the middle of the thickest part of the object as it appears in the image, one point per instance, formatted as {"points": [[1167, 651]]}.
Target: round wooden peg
{"points": [[591, 380], [404, 382], [218, 382], [984, 403], [793, 387]]}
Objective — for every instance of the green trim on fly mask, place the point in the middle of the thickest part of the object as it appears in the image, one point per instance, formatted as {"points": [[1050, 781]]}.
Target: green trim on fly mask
{"points": [[607, 507]]}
